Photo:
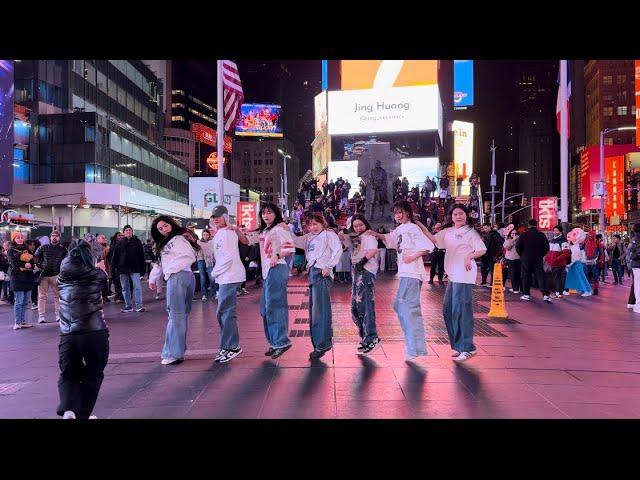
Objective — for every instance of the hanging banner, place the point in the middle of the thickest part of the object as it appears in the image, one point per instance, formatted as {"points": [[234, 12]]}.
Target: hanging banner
{"points": [[545, 211], [247, 215]]}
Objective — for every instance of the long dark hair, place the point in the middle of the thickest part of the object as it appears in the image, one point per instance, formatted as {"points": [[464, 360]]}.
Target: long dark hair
{"points": [[360, 217], [276, 221], [176, 229], [461, 206], [405, 206]]}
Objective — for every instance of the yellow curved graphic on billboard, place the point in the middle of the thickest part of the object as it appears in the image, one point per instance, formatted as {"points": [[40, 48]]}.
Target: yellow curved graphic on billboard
{"points": [[374, 74]]}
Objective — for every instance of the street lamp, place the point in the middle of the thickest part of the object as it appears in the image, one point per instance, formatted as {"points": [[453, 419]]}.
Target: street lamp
{"points": [[504, 187], [602, 180], [285, 192]]}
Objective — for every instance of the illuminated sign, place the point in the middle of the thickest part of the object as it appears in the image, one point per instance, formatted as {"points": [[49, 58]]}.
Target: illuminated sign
{"points": [[418, 169], [320, 110], [614, 178], [259, 120], [208, 135], [212, 161], [462, 83], [462, 149], [204, 193], [382, 74], [402, 109], [637, 65], [545, 211], [6, 127], [247, 215]]}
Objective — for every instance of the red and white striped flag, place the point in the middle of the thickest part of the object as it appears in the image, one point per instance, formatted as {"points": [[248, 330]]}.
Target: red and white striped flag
{"points": [[233, 94]]}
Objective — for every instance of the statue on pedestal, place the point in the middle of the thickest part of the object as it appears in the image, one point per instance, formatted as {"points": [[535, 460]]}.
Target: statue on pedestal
{"points": [[378, 183]]}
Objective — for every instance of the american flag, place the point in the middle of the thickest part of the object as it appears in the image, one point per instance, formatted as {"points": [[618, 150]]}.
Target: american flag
{"points": [[233, 94]]}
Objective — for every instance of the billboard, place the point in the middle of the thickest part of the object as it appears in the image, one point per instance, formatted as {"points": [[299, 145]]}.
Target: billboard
{"points": [[545, 211], [462, 83], [614, 178], [320, 152], [204, 193], [376, 74], [462, 150], [637, 65], [320, 110], [402, 109], [6, 127], [247, 215], [259, 120], [417, 169], [348, 170]]}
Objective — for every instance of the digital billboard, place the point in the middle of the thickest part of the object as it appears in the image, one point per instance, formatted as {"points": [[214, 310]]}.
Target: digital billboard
{"points": [[320, 110], [348, 170], [614, 178], [462, 150], [401, 109], [259, 120], [637, 75], [417, 169], [6, 127], [203, 193], [375, 74], [462, 83]]}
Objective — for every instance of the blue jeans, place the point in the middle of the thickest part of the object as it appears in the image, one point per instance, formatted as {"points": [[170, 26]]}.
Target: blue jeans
{"points": [[180, 289], [213, 286], [20, 301], [205, 280], [458, 316], [618, 270], [227, 317], [363, 310], [320, 310], [126, 289], [407, 307], [274, 307], [593, 273]]}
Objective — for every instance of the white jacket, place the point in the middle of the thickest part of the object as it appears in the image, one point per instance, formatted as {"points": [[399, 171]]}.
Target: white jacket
{"points": [[322, 251], [177, 255], [229, 267]]}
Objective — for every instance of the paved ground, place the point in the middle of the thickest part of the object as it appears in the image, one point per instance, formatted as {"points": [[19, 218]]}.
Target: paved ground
{"points": [[578, 358]]}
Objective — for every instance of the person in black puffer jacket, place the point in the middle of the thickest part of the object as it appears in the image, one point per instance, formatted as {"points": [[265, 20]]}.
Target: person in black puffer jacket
{"points": [[83, 351], [22, 279]]}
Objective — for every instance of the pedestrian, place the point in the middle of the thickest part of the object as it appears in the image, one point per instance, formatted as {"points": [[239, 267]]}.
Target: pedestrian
{"points": [[513, 260], [322, 250], [228, 273], [437, 259], [463, 245], [129, 257], [205, 266], [382, 249], [494, 243], [343, 267], [83, 351], [33, 245], [593, 251], [112, 268], [634, 257], [148, 256], [22, 279], [558, 257], [4, 276], [48, 258], [276, 245], [365, 267], [603, 258], [576, 277], [411, 244], [617, 253], [532, 246], [176, 252]]}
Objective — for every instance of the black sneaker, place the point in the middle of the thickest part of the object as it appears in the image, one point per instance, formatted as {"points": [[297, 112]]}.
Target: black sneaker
{"points": [[270, 352], [279, 351], [361, 347], [371, 347], [229, 355], [127, 310], [317, 354]]}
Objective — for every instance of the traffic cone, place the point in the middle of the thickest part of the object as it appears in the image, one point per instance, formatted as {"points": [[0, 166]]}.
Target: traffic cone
{"points": [[498, 309]]}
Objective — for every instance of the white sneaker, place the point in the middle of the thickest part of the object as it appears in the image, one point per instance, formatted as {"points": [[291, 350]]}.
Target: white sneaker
{"points": [[244, 291], [586, 294], [525, 297], [511, 290], [547, 299], [69, 415], [204, 298], [34, 307], [566, 293], [516, 291], [42, 320], [92, 417], [2, 302], [631, 305], [157, 297], [464, 356], [170, 361]]}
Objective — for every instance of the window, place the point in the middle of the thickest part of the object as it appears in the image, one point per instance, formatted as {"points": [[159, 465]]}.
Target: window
{"points": [[607, 79], [177, 92], [620, 79], [102, 82], [622, 110], [633, 110], [177, 118], [177, 105], [607, 111], [112, 89]]}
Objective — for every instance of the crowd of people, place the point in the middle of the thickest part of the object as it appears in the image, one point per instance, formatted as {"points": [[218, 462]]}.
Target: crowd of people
{"points": [[219, 264]]}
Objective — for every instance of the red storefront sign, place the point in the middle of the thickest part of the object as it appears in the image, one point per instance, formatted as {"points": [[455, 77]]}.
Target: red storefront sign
{"points": [[545, 211], [637, 65], [614, 176], [247, 215], [208, 135]]}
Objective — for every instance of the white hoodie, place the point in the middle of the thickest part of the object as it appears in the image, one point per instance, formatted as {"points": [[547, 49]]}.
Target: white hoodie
{"points": [[229, 267], [322, 250], [177, 255]]}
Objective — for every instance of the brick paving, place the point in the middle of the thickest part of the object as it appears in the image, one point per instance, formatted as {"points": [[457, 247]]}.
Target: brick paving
{"points": [[577, 358]]}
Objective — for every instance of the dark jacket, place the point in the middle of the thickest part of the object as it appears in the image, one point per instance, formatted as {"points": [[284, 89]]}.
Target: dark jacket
{"points": [[634, 251], [49, 257], [4, 262], [494, 244], [532, 245], [22, 278], [81, 287], [148, 253], [129, 256]]}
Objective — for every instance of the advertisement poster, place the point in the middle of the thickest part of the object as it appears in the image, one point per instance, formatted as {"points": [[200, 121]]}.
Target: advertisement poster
{"points": [[259, 120]]}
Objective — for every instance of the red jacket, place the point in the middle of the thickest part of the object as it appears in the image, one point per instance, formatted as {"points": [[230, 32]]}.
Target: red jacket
{"points": [[559, 253]]}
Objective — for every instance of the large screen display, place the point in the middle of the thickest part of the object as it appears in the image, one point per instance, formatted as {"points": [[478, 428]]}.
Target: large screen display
{"points": [[401, 109], [259, 120], [6, 127], [462, 83], [367, 74], [418, 169], [462, 149]]}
